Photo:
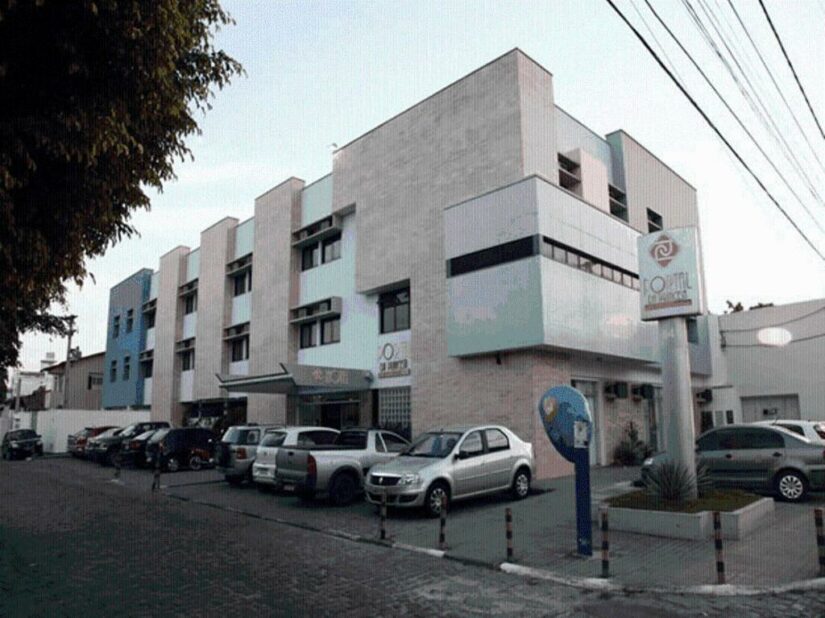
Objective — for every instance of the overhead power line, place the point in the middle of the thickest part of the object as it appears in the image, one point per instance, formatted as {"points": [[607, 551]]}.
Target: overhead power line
{"points": [[715, 129], [728, 107], [793, 70]]}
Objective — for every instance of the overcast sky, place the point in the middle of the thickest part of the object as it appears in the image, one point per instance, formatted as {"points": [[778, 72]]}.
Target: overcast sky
{"points": [[325, 72]]}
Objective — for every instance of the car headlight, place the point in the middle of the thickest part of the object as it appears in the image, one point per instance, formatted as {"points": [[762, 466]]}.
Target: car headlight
{"points": [[410, 479], [39, 442], [648, 461], [14, 444]]}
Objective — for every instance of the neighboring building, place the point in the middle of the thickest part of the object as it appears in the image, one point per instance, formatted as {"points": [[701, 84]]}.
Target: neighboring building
{"points": [[24, 383], [126, 337], [85, 387], [460, 259]]}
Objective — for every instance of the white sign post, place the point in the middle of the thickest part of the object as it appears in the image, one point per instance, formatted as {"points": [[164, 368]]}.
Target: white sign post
{"points": [[672, 289]]}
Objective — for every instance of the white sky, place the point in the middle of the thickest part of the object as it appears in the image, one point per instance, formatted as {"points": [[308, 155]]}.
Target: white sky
{"points": [[324, 72]]}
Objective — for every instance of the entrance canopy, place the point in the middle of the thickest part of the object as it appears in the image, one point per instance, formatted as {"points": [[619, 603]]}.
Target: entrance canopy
{"points": [[299, 380]]}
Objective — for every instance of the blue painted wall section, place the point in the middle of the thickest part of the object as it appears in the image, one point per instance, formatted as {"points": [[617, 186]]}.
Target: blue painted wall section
{"points": [[129, 294]]}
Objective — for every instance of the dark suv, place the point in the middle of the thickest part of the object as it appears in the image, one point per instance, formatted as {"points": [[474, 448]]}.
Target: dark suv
{"points": [[190, 447], [21, 443], [106, 449]]}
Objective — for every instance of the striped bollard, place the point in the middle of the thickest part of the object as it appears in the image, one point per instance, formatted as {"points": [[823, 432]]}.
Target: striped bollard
{"points": [[820, 540], [605, 544], [117, 466], [442, 539], [156, 477], [383, 532], [717, 541], [508, 521]]}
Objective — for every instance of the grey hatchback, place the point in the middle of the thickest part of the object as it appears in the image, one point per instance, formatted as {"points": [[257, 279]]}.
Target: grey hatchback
{"points": [[760, 458]]}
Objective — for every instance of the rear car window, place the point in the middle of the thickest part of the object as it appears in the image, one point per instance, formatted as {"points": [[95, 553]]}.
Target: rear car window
{"points": [[274, 438], [820, 430], [236, 435], [793, 428], [357, 439], [24, 434]]}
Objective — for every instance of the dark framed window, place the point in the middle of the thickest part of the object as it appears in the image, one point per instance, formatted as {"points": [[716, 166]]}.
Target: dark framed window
{"points": [[150, 319], [394, 308], [242, 283], [113, 371], [654, 221], [127, 368], [116, 326], [308, 335], [332, 248], [330, 331], [146, 368], [188, 360], [240, 349], [190, 304], [472, 445], [130, 320], [310, 256], [692, 330], [94, 381], [496, 440], [729, 417], [500, 254]]}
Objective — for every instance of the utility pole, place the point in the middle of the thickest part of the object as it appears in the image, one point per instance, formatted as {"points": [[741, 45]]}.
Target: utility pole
{"points": [[70, 319]]}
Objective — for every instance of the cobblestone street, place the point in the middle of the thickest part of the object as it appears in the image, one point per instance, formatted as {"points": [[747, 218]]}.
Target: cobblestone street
{"points": [[74, 543]]}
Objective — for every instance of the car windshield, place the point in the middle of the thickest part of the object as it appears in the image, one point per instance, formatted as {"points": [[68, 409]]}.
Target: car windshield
{"points": [[145, 435], [159, 435], [434, 444], [109, 432], [274, 438], [25, 434]]}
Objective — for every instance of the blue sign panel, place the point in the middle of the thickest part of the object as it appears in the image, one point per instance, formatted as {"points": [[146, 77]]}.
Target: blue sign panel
{"points": [[566, 418]]}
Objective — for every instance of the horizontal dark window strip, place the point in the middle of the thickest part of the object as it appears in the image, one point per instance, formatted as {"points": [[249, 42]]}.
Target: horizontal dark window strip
{"points": [[500, 254], [592, 258], [575, 258]]}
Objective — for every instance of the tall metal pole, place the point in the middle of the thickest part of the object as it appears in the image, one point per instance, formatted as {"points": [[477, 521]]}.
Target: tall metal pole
{"points": [[677, 396], [68, 360]]}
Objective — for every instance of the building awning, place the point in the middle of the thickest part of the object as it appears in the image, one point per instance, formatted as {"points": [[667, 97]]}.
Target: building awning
{"points": [[299, 380]]}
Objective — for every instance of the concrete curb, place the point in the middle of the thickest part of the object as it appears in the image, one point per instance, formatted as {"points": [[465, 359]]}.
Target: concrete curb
{"points": [[584, 583]]}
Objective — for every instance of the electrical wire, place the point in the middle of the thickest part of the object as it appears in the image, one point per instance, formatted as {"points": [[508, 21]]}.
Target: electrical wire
{"points": [[715, 129], [791, 321], [762, 345], [793, 70], [728, 107]]}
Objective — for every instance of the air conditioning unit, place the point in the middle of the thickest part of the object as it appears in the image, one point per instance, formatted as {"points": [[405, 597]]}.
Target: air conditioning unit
{"points": [[705, 396], [615, 390]]}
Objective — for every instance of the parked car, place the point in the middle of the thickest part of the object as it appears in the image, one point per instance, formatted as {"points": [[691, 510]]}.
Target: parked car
{"points": [[106, 448], [174, 449], [454, 464], [266, 459], [760, 458], [813, 430], [133, 450], [76, 443], [92, 443], [235, 452], [337, 469], [21, 443]]}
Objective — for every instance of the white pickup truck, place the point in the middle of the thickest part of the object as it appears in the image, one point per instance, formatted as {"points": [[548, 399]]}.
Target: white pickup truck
{"points": [[338, 469]]}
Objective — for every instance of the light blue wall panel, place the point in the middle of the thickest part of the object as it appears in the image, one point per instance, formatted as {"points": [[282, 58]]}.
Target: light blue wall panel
{"points": [[244, 238], [571, 134], [316, 200]]}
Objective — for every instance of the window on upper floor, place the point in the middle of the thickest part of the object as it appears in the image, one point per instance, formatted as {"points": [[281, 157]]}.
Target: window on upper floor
{"points": [[332, 248], [310, 256], [190, 303], [242, 283], [113, 371], [692, 330], [394, 308], [130, 320], [116, 326], [330, 331], [146, 369], [188, 360], [240, 349], [654, 221], [308, 337], [94, 381], [150, 319], [618, 203], [127, 368]]}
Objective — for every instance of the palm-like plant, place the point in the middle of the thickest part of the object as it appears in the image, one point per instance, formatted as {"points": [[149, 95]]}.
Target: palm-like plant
{"points": [[669, 481]]}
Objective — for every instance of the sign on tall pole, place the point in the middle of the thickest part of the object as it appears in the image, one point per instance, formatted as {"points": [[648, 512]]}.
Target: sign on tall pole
{"points": [[672, 289]]}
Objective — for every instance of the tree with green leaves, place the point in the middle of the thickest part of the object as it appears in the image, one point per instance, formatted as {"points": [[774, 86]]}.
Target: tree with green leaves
{"points": [[96, 102]]}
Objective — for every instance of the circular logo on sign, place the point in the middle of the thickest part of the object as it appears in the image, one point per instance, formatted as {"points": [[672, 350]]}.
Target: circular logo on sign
{"points": [[388, 351], [550, 408], [664, 250]]}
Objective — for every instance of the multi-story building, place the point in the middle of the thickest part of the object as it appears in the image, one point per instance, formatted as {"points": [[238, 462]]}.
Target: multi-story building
{"points": [[85, 384], [460, 259]]}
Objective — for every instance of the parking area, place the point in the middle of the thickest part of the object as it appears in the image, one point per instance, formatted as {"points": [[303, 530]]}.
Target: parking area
{"points": [[782, 551]]}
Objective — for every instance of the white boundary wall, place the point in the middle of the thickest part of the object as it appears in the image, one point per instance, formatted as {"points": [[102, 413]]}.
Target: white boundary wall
{"points": [[56, 425]]}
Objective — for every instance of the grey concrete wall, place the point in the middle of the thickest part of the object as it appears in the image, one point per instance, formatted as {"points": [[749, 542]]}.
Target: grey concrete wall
{"points": [[274, 291], [217, 246], [537, 119], [168, 323]]}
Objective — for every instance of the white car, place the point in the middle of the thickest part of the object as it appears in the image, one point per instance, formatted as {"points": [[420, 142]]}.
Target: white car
{"points": [[265, 466], [812, 430]]}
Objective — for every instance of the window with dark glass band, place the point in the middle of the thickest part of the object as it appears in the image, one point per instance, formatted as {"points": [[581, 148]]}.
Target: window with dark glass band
{"points": [[395, 311]]}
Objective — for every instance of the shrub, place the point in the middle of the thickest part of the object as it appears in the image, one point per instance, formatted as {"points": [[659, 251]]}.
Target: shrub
{"points": [[631, 451], [669, 482]]}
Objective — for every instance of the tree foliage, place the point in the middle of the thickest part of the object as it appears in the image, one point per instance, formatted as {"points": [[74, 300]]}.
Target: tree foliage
{"points": [[96, 101]]}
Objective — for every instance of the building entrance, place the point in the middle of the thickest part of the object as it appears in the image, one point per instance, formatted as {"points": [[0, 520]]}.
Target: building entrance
{"points": [[334, 411]]}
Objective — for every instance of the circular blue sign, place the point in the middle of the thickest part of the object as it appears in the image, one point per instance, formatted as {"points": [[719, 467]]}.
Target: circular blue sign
{"points": [[559, 410]]}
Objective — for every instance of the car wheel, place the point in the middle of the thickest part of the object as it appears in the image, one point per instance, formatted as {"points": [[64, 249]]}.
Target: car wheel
{"points": [[437, 492], [109, 458], [521, 484], [343, 490], [791, 485], [172, 464], [195, 463]]}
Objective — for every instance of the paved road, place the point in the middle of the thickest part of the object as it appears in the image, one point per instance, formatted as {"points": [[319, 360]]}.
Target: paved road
{"points": [[72, 543]]}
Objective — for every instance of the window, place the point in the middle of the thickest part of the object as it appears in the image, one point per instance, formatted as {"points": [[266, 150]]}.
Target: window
{"points": [[472, 445], [793, 428], [706, 422], [188, 360], [93, 382], [130, 320], [379, 444], [395, 311], [116, 327], [242, 283], [113, 371], [146, 368], [308, 335], [150, 319], [729, 416], [276, 438], [692, 330], [190, 304], [654, 221], [127, 369], [496, 441], [332, 248], [240, 349], [394, 443], [253, 437], [710, 442], [331, 331], [500, 254], [309, 256]]}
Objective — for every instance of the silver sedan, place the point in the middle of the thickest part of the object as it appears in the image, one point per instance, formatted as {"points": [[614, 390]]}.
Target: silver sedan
{"points": [[454, 464]]}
